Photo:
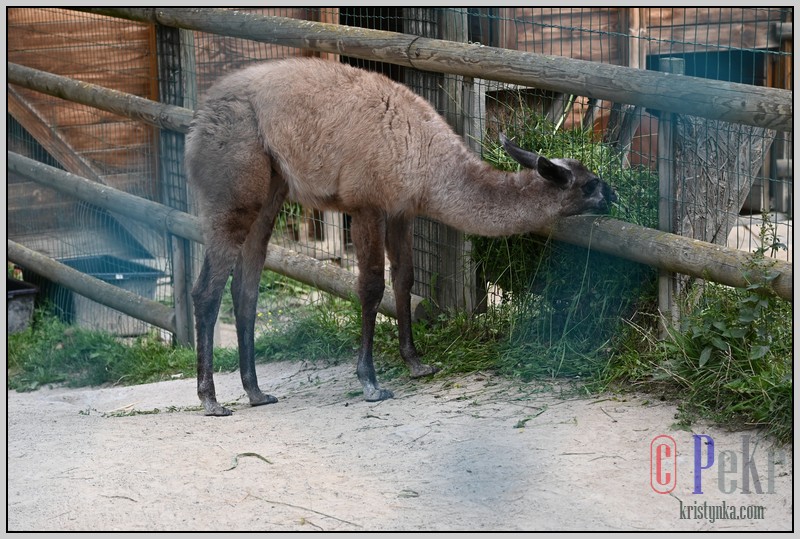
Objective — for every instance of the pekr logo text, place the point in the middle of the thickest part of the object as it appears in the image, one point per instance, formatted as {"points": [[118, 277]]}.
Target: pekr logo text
{"points": [[734, 471]]}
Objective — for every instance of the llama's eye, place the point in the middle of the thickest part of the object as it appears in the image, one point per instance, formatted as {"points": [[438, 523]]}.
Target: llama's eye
{"points": [[589, 188]]}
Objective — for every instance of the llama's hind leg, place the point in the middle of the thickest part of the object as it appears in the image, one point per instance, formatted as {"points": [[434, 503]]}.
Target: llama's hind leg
{"points": [[207, 295], [244, 288], [367, 230], [399, 248]]}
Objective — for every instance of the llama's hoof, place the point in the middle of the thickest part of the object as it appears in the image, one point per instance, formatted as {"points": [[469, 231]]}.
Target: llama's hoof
{"points": [[262, 399], [216, 409], [418, 371], [377, 394]]}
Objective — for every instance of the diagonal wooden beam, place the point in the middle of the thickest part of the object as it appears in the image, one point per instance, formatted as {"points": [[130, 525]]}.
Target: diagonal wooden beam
{"points": [[60, 148], [50, 139]]}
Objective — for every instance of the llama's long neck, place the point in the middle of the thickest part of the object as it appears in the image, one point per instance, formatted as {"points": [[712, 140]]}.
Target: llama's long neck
{"points": [[476, 198]]}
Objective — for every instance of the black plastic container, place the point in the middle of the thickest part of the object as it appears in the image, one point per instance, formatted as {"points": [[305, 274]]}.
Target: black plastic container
{"points": [[21, 299], [125, 274]]}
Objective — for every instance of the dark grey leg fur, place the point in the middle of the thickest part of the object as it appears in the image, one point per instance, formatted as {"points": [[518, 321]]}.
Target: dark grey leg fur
{"points": [[244, 289], [399, 246], [207, 295], [237, 240], [368, 230]]}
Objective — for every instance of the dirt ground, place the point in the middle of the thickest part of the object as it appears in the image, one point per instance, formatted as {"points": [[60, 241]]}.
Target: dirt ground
{"points": [[472, 453]]}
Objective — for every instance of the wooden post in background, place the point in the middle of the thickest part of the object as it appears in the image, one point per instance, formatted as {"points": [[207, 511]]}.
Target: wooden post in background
{"points": [[174, 90], [442, 261], [666, 198]]}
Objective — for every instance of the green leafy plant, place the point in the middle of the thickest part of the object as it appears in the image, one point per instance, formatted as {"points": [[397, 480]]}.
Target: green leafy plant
{"points": [[729, 358]]}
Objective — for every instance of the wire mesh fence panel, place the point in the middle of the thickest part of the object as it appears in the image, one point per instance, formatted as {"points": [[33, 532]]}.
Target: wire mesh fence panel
{"points": [[102, 146], [720, 182]]}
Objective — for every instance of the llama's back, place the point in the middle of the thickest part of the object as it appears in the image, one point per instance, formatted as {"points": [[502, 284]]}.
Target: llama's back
{"points": [[342, 137]]}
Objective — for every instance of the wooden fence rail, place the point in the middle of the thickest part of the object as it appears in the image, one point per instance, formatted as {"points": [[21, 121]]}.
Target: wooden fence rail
{"points": [[134, 107], [732, 102], [674, 253], [112, 296], [647, 246]]}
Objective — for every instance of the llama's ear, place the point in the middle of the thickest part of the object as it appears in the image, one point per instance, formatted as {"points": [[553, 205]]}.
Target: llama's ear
{"points": [[555, 173], [523, 157], [546, 168]]}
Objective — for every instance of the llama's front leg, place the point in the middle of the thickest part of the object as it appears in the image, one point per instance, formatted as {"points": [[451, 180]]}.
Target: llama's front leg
{"points": [[367, 230], [399, 246]]}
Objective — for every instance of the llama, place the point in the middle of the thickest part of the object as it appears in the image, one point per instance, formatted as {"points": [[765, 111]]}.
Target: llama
{"points": [[331, 136]]}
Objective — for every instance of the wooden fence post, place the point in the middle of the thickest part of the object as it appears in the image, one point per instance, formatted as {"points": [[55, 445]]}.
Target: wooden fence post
{"points": [[442, 261], [666, 198], [173, 86]]}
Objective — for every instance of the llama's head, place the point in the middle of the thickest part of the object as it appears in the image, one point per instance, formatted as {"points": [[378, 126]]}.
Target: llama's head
{"points": [[575, 188]]}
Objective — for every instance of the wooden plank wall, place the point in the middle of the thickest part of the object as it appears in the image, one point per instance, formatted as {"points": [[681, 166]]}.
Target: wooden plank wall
{"points": [[592, 33], [690, 28], [116, 54], [96, 49], [562, 32]]}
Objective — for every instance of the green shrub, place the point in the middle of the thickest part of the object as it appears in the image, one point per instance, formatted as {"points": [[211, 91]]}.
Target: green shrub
{"points": [[728, 359]]}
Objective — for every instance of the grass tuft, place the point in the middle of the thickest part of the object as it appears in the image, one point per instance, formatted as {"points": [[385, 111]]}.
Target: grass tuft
{"points": [[51, 352]]}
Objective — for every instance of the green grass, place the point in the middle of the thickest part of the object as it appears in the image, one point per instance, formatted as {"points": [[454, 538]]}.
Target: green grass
{"points": [[51, 352], [326, 331]]}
